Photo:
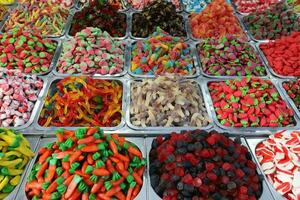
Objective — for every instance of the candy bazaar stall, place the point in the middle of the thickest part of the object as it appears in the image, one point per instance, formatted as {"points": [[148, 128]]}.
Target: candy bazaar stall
{"points": [[149, 100]]}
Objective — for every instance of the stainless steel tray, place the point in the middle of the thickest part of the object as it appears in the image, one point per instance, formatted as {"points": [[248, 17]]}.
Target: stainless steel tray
{"points": [[166, 129], [252, 143], [266, 195], [129, 60], [34, 141], [37, 126], [140, 142], [250, 131]]}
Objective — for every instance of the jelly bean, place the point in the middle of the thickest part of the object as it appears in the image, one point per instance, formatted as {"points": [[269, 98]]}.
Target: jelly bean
{"points": [[279, 159], [249, 102], [283, 54], [201, 165], [45, 17], [216, 20], [195, 6], [167, 101], [26, 51], [273, 23], [249, 6], [105, 17], [229, 56], [140, 4], [293, 90], [100, 55], [160, 54], [159, 13], [18, 94]]}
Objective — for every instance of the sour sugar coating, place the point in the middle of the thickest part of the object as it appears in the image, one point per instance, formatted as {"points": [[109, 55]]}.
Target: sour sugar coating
{"points": [[92, 51], [86, 164], [140, 4], [83, 101], [3, 11], [103, 16], [18, 94], [277, 21], [283, 54], [249, 102], [249, 6], [66, 4], [167, 101], [15, 153], [295, 5], [195, 6], [26, 51], [47, 18], [293, 90], [215, 21], [201, 165], [161, 54], [159, 13], [279, 158], [229, 56]]}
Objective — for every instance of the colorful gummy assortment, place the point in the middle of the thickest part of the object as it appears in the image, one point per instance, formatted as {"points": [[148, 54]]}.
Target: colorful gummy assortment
{"points": [[167, 101], [195, 6], [140, 4], [279, 159], [283, 54], [161, 54], [105, 17], [3, 11], [216, 20], [249, 102], [46, 17], [250, 6], [82, 101], [119, 4], [18, 95], [86, 164], [66, 4], [293, 90], [161, 14], [26, 51], [295, 5], [92, 51], [273, 23], [201, 165], [229, 56]]}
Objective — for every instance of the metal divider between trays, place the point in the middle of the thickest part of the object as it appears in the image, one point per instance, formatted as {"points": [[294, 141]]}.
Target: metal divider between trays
{"points": [[266, 193], [131, 73], [139, 142], [158, 128], [250, 131], [52, 80]]}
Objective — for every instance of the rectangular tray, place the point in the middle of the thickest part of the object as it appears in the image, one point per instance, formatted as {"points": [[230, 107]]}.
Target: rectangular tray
{"points": [[250, 131], [129, 59], [140, 142], [266, 194], [252, 143], [168, 129], [52, 128], [33, 145]]}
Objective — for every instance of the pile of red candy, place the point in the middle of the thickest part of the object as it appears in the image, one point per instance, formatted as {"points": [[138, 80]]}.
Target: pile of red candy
{"points": [[200, 165], [249, 6]]}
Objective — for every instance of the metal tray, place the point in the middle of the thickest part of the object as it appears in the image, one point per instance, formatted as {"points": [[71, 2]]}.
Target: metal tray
{"points": [[65, 40], [129, 59], [35, 108], [251, 131], [140, 142], [33, 145], [251, 43], [166, 129], [264, 58], [252, 143], [266, 194], [37, 126]]}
